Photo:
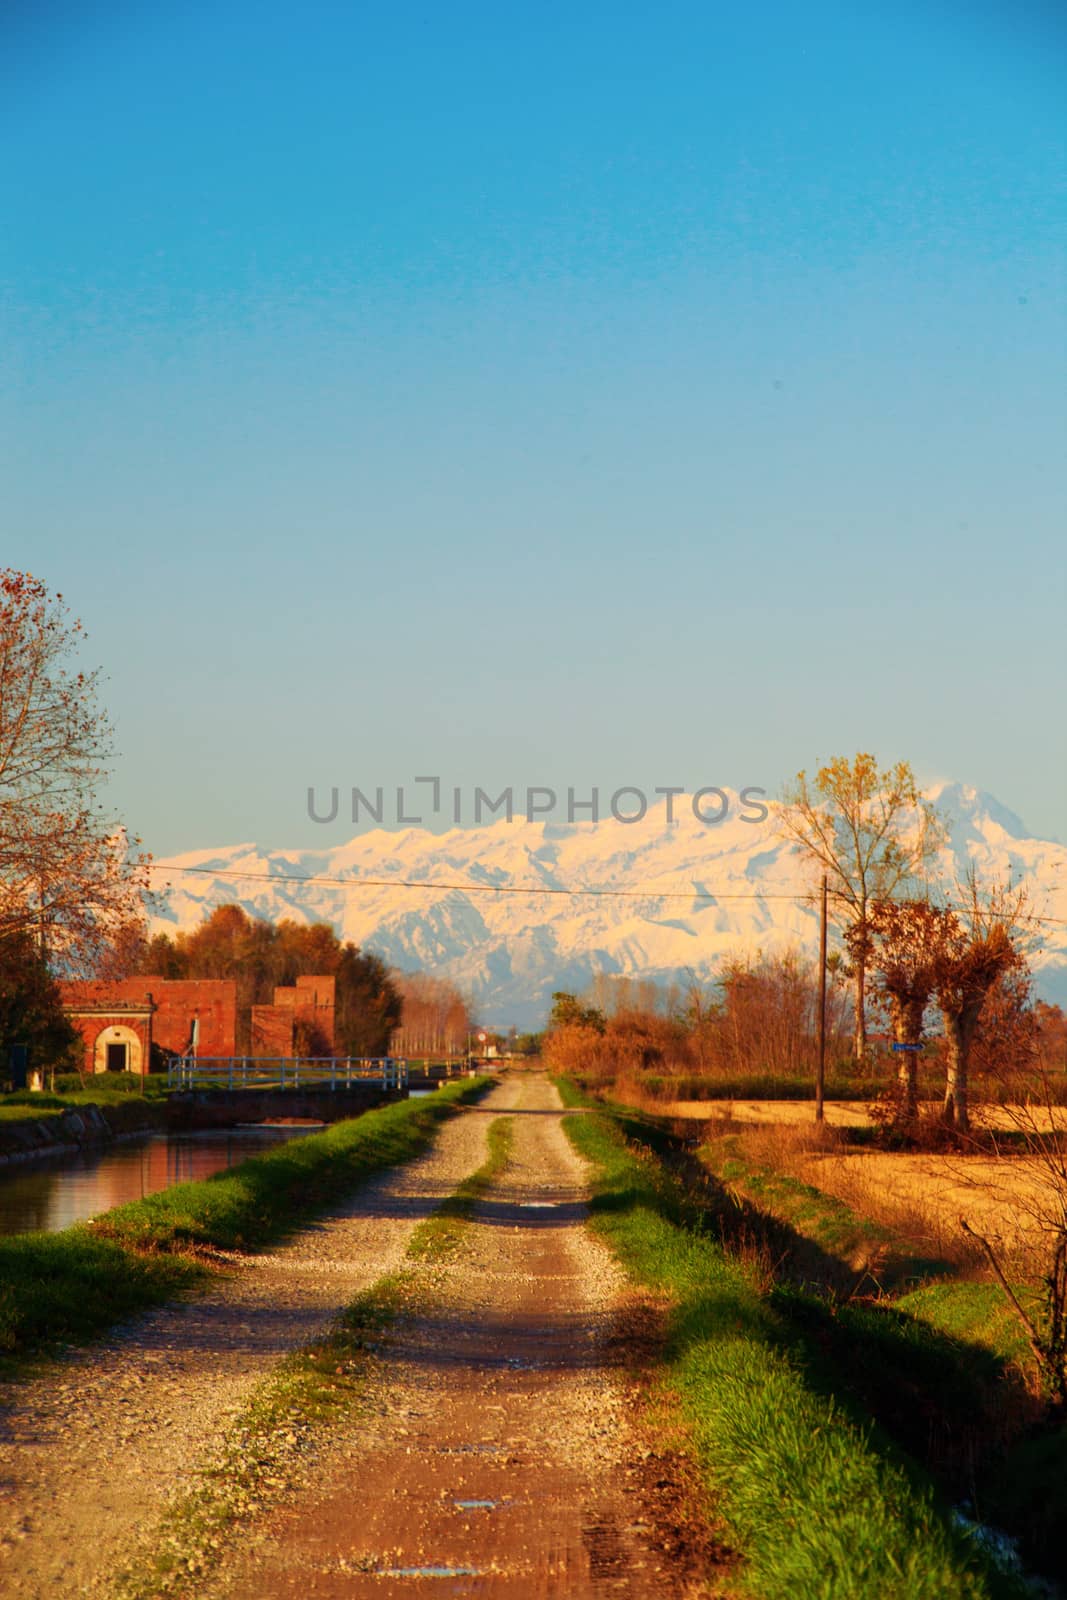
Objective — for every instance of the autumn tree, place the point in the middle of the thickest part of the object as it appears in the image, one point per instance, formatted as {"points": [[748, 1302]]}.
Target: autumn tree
{"points": [[31, 1009], [873, 834], [569, 1011], [905, 945], [436, 1018], [369, 1005], [767, 1015], [260, 956], [980, 949], [67, 870]]}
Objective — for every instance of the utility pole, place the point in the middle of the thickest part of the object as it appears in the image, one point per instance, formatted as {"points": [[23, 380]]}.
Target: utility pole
{"points": [[820, 1070]]}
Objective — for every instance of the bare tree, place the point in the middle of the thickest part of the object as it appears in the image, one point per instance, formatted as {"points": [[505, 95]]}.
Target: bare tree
{"points": [[872, 833], [68, 871], [436, 1019], [1027, 1239]]}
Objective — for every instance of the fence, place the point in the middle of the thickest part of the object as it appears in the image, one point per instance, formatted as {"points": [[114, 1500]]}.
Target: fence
{"points": [[285, 1072]]}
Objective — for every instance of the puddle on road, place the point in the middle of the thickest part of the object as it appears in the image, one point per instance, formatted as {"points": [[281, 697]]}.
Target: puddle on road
{"points": [[429, 1572], [538, 1205], [471, 1449], [476, 1505]]}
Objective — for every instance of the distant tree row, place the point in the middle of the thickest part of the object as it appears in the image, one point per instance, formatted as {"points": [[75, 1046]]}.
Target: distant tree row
{"points": [[757, 1017], [437, 1020]]}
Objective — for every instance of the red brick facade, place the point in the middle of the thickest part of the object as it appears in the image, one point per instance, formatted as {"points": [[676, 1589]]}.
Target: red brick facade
{"points": [[120, 1022], [300, 1022], [178, 1015]]}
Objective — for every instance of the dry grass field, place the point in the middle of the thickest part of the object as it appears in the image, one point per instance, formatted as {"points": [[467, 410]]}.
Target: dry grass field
{"points": [[838, 1113], [920, 1196], [924, 1196]]}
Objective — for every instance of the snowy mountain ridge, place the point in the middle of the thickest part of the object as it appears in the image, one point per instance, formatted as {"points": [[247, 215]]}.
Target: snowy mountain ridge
{"points": [[471, 904]]}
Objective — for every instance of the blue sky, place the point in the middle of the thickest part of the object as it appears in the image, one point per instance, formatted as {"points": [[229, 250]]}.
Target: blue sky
{"points": [[567, 395]]}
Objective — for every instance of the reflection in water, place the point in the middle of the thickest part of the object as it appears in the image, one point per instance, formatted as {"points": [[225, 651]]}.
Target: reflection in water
{"points": [[59, 1190]]}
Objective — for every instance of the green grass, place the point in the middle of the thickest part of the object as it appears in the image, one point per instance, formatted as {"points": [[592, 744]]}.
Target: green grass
{"points": [[829, 1223], [440, 1234], [822, 1506], [102, 1091], [23, 1113], [977, 1312], [818, 1216], [66, 1288]]}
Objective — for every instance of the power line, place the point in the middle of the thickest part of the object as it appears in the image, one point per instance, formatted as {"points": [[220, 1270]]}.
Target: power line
{"points": [[533, 888]]}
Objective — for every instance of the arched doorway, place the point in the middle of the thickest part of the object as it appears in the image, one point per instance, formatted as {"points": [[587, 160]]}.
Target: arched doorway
{"points": [[117, 1049]]}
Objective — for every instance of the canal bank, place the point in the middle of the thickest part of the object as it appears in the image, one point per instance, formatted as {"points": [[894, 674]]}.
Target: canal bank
{"points": [[77, 1184], [77, 1127]]}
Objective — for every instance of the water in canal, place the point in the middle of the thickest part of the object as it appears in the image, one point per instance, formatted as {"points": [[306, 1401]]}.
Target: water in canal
{"points": [[54, 1192]]}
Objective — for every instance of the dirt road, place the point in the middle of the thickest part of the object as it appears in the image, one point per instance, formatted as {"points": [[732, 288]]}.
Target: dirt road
{"points": [[90, 1452], [500, 1451], [503, 1459]]}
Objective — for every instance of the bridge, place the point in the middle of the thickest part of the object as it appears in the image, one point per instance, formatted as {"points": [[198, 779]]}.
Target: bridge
{"points": [[222, 1091]]}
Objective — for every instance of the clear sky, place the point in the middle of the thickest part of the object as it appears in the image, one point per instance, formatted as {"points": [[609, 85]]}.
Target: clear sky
{"points": [[565, 394]]}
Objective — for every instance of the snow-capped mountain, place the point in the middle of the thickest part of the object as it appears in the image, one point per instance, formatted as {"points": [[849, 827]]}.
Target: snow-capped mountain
{"points": [[694, 893]]}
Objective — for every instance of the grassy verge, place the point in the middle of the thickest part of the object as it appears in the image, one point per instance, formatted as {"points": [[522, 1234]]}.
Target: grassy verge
{"points": [[66, 1288], [21, 1112], [945, 1366], [820, 1503], [440, 1234], [270, 1447]]}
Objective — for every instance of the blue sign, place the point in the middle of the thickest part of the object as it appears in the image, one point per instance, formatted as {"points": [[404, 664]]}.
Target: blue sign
{"points": [[907, 1047]]}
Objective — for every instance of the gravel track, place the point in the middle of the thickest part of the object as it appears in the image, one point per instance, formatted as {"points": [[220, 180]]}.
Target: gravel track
{"points": [[91, 1451], [499, 1452]]}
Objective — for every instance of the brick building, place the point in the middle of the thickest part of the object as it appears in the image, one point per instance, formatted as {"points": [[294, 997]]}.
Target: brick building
{"points": [[300, 1021], [120, 1022]]}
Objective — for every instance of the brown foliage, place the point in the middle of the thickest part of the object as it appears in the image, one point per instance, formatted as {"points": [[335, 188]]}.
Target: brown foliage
{"points": [[759, 1017], [67, 869], [260, 956], [436, 1018]]}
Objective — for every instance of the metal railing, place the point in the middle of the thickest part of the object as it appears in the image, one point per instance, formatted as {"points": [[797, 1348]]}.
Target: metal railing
{"points": [[285, 1072]]}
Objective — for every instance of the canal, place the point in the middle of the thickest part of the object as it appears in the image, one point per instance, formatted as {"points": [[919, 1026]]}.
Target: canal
{"points": [[55, 1191]]}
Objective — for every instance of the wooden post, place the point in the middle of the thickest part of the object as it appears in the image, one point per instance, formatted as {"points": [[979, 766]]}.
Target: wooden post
{"points": [[820, 1070]]}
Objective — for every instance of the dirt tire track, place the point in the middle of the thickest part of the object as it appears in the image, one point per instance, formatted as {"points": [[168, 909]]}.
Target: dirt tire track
{"points": [[91, 1451]]}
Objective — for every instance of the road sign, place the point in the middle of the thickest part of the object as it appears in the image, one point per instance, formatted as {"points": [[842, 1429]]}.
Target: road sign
{"points": [[907, 1047]]}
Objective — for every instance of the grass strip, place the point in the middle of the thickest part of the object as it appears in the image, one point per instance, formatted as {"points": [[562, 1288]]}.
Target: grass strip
{"points": [[977, 1314], [267, 1449], [66, 1288], [439, 1235], [822, 1507]]}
